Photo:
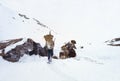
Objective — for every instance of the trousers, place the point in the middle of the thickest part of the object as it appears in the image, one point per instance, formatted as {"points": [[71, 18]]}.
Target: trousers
{"points": [[50, 54]]}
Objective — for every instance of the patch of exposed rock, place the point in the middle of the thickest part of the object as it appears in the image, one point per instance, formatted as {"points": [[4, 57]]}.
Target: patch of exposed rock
{"points": [[28, 47], [113, 42]]}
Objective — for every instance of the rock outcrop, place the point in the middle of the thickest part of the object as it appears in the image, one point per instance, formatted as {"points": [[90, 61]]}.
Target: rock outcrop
{"points": [[4, 44], [29, 47], [113, 42]]}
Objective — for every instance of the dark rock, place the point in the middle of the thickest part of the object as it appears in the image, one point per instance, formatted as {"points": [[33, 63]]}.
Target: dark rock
{"points": [[113, 42], [55, 57], [22, 15], [6, 43], [81, 47], [38, 50], [29, 47]]}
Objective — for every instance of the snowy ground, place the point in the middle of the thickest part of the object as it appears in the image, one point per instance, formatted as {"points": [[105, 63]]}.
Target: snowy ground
{"points": [[89, 22], [89, 65]]}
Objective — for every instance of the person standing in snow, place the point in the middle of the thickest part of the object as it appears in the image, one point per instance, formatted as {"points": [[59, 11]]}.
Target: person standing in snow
{"points": [[49, 46]]}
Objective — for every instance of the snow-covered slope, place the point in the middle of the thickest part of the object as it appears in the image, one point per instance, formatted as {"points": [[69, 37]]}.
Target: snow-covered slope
{"points": [[35, 68], [13, 25], [91, 20], [90, 23]]}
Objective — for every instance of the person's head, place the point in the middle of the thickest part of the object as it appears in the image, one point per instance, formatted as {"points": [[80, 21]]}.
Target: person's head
{"points": [[73, 41]]}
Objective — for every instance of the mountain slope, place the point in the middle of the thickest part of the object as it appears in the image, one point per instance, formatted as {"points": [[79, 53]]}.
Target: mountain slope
{"points": [[15, 26], [95, 62]]}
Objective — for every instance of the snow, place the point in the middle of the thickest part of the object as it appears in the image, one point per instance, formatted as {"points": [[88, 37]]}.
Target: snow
{"points": [[35, 68], [89, 22]]}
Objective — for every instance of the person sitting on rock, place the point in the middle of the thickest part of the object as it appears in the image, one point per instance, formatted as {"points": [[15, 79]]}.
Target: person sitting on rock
{"points": [[67, 50], [71, 46]]}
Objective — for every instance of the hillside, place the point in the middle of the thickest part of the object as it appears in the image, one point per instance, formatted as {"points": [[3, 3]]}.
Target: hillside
{"points": [[90, 23]]}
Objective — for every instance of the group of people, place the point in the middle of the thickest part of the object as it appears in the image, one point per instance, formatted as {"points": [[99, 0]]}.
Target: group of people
{"points": [[67, 50]]}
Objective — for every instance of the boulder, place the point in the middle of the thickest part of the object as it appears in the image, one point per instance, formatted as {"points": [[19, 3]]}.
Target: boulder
{"points": [[4, 44], [29, 47]]}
